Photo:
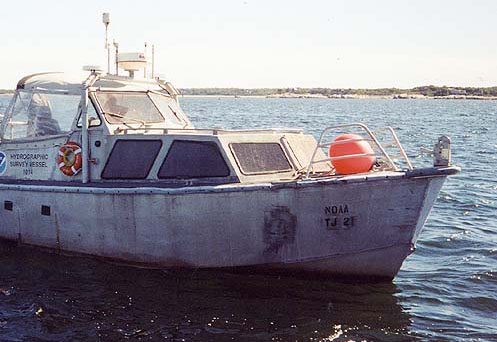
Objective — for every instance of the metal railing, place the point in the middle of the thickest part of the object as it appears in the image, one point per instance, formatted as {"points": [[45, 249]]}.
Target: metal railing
{"points": [[373, 141], [215, 131], [395, 143]]}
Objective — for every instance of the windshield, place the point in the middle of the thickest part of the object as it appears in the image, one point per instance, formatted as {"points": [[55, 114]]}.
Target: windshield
{"points": [[168, 107], [138, 108], [41, 114]]}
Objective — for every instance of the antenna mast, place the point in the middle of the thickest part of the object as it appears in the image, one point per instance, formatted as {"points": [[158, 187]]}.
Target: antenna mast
{"points": [[106, 21], [116, 46], [153, 60], [145, 69]]}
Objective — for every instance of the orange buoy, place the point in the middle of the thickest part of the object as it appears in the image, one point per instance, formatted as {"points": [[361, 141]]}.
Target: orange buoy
{"points": [[348, 166]]}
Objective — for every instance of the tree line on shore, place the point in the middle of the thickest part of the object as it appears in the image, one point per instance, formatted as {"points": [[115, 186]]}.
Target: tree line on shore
{"points": [[430, 91]]}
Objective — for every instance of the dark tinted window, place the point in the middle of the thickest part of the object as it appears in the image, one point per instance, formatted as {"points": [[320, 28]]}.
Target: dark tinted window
{"points": [[131, 159], [193, 159], [260, 157]]}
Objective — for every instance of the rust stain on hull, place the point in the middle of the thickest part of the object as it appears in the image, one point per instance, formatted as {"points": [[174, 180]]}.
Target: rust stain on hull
{"points": [[280, 226]]}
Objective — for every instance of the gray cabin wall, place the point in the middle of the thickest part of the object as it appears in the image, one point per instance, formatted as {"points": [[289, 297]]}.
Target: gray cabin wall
{"points": [[36, 159]]}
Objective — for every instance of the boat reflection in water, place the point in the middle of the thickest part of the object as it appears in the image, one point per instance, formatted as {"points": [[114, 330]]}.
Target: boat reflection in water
{"points": [[57, 297]]}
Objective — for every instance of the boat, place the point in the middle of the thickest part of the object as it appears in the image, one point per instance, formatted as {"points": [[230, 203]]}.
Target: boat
{"points": [[110, 166]]}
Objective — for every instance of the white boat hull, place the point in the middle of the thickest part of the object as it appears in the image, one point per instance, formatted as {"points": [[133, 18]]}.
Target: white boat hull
{"points": [[359, 226]]}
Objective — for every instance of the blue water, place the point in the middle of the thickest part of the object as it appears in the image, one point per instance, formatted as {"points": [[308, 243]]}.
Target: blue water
{"points": [[445, 291]]}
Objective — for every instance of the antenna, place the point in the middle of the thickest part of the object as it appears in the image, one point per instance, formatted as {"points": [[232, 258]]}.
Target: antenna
{"points": [[153, 59], [116, 46], [106, 21], [145, 69]]}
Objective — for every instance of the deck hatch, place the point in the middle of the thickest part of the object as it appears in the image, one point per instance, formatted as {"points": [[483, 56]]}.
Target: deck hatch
{"points": [[257, 158], [193, 159], [131, 159]]}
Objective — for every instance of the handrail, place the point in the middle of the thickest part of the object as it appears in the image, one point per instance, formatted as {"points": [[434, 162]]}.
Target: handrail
{"points": [[373, 139], [346, 157], [396, 141], [208, 131]]}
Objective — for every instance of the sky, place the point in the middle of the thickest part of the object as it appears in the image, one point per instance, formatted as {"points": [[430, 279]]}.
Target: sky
{"points": [[262, 43]]}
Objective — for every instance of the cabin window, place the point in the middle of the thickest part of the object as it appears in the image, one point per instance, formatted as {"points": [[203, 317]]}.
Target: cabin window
{"points": [[39, 115], [131, 159], [258, 158], [128, 107], [93, 118], [193, 159]]}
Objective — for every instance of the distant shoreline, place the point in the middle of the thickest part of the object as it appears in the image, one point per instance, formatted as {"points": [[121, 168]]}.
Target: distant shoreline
{"points": [[427, 92], [423, 92], [313, 96]]}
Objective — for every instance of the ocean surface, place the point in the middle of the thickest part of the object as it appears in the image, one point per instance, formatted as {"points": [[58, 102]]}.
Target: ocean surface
{"points": [[445, 291]]}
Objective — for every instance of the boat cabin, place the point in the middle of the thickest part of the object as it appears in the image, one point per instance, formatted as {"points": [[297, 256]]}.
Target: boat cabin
{"points": [[112, 129]]}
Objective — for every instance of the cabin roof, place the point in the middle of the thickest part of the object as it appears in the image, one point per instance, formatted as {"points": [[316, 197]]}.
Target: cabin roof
{"points": [[68, 84]]}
